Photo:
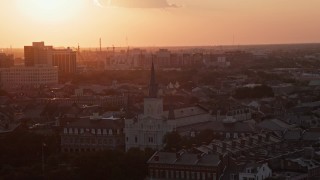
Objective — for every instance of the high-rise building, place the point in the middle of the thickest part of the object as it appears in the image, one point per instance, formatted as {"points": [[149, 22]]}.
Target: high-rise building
{"points": [[65, 59], [38, 53]]}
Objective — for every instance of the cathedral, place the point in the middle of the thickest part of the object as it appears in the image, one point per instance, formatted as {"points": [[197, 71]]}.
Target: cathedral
{"points": [[148, 129]]}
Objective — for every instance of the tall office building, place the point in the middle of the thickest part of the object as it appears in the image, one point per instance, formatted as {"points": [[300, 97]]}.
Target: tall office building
{"points": [[65, 59], [37, 54]]}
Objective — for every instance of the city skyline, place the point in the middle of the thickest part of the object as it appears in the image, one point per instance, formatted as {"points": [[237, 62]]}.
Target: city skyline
{"points": [[158, 22]]}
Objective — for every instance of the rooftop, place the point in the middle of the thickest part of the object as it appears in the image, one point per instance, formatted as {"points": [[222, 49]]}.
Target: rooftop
{"points": [[184, 158]]}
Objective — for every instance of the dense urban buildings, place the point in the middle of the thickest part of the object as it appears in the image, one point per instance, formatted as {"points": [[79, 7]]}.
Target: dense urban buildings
{"points": [[205, 114]]}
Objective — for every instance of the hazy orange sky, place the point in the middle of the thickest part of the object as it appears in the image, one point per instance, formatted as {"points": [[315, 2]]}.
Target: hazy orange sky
{"points": [[158, 22]]}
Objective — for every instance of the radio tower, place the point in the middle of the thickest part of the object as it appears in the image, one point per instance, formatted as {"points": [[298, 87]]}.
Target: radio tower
{"points": [[100, 44]]}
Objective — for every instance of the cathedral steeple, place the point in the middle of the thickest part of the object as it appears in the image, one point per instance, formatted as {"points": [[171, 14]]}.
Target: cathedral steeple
{"points": [[153, 86]]}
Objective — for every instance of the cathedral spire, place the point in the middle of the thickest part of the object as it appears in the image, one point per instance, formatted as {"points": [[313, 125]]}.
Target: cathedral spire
{"points": [[153, 87]]}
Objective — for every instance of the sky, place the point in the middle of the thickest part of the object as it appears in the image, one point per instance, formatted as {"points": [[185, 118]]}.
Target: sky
{"points": [[158, 22]]}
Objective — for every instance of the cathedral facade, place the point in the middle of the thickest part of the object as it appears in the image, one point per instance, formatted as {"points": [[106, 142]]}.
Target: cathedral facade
{"points": [[148, 129]]}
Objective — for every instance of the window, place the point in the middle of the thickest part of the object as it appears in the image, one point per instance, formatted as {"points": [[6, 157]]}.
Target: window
{"points": [[150, 139]]}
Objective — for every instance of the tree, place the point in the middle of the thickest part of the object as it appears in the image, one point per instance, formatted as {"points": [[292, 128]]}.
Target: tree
{"points": [[255, 92], [172, 141]]}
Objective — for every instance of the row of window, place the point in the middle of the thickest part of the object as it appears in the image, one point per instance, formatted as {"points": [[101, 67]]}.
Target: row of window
{"points": [[93, 141], [171, 174], [150, 139], [93, 131]]}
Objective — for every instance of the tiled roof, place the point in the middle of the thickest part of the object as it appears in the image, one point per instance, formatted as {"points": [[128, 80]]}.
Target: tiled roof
{"points": [[274, 125], [220, 126], [186, 112], [96, 123], [184, 159]]}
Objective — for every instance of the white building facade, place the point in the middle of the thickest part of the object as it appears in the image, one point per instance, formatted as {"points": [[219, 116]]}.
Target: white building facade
{"points": [[148, 129], [256, 172]]}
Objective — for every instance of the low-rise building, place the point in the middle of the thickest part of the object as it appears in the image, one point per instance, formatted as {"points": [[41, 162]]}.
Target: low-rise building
{"points": [[186, 165], [19, 77], [92, 134], [256, 172]]}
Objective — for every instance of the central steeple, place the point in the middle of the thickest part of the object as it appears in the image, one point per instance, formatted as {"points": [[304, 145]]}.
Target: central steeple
{"points": [[153, 86], [153, 105]]}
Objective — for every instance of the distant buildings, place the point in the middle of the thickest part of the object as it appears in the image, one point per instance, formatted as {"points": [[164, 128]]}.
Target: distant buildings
{"points": [[42, 65], [18, 77], [6, 60], [140, 59], [216, 61]]}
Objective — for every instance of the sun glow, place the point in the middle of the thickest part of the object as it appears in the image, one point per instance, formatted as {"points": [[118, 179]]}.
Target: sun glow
{"points": [[50, 10]]}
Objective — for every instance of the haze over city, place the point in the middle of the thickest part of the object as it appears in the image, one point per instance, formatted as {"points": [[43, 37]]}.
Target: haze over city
{"points": [[160, 89], [158, 22]]}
